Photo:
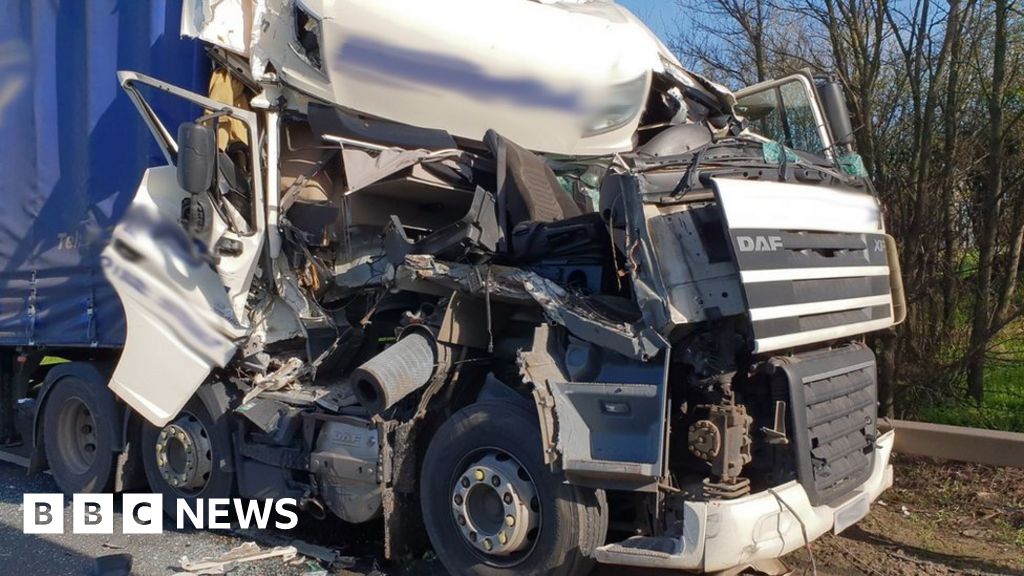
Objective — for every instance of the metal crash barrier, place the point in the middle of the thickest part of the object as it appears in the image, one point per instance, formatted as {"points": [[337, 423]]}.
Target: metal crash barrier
{"points": [[976, 445]]}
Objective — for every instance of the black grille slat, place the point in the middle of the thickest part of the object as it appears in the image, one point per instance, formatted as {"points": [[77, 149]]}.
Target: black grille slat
{"points": [[762, 294], [840, 469], [840, 407], [854, 380], [838, 428], [839, 448], [833, 395], [849, 471], [805, 250]]}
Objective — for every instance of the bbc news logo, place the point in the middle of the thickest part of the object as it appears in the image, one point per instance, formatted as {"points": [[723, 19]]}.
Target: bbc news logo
{"points": [[144, 514]]}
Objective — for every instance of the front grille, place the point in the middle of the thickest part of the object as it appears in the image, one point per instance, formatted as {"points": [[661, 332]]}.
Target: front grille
{"points": [[806, 287], [833, 396]]}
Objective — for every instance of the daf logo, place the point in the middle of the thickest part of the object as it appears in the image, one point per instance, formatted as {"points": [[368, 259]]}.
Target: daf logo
{"points": [[759, 243]]}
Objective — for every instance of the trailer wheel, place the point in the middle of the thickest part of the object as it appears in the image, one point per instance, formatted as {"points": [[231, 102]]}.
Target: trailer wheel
{"points": [[492, 507], [190, 457], [80, 425]]}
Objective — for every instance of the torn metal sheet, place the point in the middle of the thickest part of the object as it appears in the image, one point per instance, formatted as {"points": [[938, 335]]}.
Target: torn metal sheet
{"points": [[363, 168], [516, 285], [538, 366], [276, 321], [224, 23]]}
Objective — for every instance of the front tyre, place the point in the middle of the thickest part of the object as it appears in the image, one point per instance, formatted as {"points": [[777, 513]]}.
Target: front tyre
{"points": [[492, 507], [191, 457]]}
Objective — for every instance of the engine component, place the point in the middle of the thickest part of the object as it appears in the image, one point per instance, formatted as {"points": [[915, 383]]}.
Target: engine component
{"points": [[346, 469], [705, 441], [723, 440], [398, 371]]}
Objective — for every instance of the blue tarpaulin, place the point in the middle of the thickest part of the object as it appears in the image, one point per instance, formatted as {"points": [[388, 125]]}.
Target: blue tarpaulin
{"points": [[72, 152]]}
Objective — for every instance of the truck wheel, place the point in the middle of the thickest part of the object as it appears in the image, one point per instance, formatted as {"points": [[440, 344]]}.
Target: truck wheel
{"points": [[190, 457], [80, 425], [492, 507]]}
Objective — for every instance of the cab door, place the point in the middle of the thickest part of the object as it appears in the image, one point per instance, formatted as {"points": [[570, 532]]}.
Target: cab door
{"points": [[183, 263]]}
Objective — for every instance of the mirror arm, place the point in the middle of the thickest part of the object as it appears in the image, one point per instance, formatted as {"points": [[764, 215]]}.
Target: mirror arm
{"points": [[213, 116]]}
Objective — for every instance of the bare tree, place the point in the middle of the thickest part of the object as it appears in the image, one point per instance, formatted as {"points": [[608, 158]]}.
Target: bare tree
{"points": [[934, 87]]}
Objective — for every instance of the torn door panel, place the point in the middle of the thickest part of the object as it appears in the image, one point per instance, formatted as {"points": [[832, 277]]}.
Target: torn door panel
{"points": [[183, 265], [602, 413], [180, 321]]}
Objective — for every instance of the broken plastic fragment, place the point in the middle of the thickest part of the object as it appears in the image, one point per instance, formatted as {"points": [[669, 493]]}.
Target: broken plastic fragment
{"points": [[248, 552]]}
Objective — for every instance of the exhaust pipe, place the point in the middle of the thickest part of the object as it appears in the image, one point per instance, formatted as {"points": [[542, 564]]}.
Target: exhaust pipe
{"points": [[403, 368]]}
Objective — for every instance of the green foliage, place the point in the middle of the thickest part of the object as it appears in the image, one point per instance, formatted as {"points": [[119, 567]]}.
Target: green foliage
{"points": [[1003, 405]]}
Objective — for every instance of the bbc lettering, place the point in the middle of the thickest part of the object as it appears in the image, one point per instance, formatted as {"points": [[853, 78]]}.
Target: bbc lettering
{"points": [[144, 513], [93, 514]]}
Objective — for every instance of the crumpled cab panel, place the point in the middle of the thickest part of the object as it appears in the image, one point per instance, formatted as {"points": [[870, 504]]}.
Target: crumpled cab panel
{"points": [[563, 77]]}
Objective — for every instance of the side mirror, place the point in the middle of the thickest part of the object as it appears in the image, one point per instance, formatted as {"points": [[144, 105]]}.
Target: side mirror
{"points": [[197, 157], [836, 113]]}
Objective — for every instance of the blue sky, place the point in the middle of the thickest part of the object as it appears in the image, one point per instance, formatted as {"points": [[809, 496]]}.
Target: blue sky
{"points": [[659, 15]]}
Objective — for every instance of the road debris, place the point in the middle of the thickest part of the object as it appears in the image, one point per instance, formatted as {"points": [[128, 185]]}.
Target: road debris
{"points": [[114, 565], [248, 552], [314, 569], [329, 557]]}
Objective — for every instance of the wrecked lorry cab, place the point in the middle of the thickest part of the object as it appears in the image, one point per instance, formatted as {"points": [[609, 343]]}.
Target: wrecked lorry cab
{"points": [[539, 346]]}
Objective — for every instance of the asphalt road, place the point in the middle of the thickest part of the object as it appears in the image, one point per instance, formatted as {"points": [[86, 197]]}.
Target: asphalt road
{"points": [[153, 554], [160, 554]]}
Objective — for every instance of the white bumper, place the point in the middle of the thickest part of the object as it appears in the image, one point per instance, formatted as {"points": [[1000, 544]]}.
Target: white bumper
{"points": [[725, 534]]}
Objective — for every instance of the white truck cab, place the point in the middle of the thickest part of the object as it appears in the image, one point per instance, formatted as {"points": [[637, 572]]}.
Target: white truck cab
{"points": [[507, 269]]}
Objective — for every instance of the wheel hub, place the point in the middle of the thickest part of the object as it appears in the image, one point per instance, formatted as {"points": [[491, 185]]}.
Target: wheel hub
{"points": [[183, 453], [494, 502], [77, 435]]}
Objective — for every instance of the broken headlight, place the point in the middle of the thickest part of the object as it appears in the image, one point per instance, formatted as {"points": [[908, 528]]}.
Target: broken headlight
{"points": [[621, 105], [308, 37]]}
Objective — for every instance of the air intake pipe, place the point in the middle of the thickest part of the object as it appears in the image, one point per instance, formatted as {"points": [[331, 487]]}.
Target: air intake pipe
{"points": [[401, 369]]}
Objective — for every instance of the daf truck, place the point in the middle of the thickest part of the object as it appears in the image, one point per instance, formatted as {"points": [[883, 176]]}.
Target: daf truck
{"points": [[502, 274]]}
